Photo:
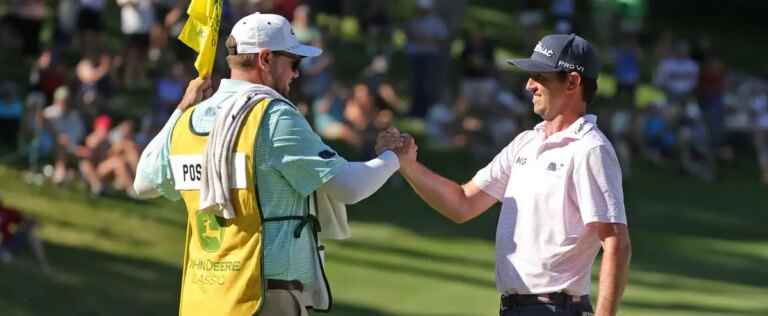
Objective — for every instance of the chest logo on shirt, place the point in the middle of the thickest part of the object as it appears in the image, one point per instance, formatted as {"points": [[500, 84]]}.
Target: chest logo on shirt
{"points": [[521, 161], [326, 154], [209, 232], [554, 166]]}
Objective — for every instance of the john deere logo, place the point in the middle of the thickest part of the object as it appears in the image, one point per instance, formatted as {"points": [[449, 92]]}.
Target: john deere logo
{"points": [[209, 231]]}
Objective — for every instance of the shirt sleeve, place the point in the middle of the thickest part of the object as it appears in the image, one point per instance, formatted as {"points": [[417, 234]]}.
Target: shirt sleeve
{"points": [[493, 178], [153, 173], [297, 152], [597, 179], [359, 180]]}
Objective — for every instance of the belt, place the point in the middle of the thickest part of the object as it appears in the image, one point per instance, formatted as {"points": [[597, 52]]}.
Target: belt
{"points": [[274, 284], [560, 298]]}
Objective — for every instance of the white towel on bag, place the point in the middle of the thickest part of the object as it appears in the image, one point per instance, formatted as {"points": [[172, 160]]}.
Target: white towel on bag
{"points": [[217, 160]]}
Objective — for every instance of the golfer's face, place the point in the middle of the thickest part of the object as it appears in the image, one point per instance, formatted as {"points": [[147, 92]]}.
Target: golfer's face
{"points": [[547, 90], [286, 68]]}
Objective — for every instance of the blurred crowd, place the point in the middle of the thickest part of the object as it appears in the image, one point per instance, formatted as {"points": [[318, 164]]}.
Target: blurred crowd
{"points": [[103, 76]]}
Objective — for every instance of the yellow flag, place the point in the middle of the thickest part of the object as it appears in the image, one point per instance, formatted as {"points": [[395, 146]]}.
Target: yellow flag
{"points": [[201, 32]]}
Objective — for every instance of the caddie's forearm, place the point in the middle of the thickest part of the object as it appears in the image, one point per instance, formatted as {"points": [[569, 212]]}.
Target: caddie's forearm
{"points": [[359, 180], [614, 272], [443, 195]]}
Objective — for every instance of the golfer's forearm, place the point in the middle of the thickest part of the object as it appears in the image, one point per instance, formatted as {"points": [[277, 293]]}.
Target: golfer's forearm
{"points": [[359, 180], [443, 195], [614, 271]]}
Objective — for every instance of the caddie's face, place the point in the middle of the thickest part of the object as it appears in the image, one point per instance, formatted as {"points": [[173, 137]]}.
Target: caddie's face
{"points": [[285, 68], [548, 94]]}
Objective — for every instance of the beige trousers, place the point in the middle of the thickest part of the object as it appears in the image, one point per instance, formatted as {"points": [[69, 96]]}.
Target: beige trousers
{"points": [[283, 303]]}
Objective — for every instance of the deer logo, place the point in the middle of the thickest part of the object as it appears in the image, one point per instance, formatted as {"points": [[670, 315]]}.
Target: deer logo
{"points": [[209, 232]]}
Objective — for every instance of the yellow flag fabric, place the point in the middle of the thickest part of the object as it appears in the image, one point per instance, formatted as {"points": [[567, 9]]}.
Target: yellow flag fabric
{"points": [[201, 32]]}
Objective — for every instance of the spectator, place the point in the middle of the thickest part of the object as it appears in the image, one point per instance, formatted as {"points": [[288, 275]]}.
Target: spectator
{"points": [[47, 74], [158, 35], [10, 113], [136, 20], [426, 34], [677, 75], [18, 231], [110, 155], [329, 118], [34, 142], [169, 89], [94, 153], [361, 114], [562, 12], [94, 82], [65, 126], [316, 73], [657, 139], [302, 25], [66, 23], [627, 70], [478, 83], [123, 146], [711, 91], [759, 106], [385, 98]]}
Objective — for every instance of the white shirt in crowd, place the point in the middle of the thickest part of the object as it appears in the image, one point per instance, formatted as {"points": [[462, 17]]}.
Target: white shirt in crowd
{"points": [[760, 107], [677, 75], [136, 16], [550, 189]]}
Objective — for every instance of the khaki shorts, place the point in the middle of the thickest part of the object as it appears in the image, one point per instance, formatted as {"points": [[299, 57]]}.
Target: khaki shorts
{"points": [[283, 303]]}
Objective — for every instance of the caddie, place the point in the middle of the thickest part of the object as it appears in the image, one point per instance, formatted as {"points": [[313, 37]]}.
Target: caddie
{"points": [[257, 181]]}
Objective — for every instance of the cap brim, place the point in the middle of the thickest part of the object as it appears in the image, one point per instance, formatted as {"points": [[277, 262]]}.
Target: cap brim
{"points": [[305, 50], [531, 65]]}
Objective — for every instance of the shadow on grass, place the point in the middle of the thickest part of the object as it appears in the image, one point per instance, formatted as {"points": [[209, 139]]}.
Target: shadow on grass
{"points": [[87, 282], [60, 199], [347, 309], [365, 246], [660, 254], [412, 270], [103, 233]]}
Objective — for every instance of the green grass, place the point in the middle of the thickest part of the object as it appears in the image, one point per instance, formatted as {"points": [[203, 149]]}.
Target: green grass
{"points": [[699, 249]]}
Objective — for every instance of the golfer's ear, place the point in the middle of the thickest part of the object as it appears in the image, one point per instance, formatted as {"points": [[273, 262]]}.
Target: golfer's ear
{"points": [[574, 80]]}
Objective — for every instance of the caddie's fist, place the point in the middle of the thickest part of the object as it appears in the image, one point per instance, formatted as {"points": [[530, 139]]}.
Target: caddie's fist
{"points": [[198, 89], [388, 139]]}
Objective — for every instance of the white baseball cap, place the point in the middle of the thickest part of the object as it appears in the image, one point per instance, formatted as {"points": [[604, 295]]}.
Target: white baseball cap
{"points": [[269, 31]]}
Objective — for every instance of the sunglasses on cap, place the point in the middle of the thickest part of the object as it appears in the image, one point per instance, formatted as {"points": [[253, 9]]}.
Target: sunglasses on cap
{"points": [[295, 59]]}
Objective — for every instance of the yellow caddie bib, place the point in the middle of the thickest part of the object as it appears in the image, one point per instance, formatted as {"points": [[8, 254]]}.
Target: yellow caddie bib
{"points": [[223, 259]]}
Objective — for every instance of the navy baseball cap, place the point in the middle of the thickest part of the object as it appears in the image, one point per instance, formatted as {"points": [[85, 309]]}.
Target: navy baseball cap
{"points": [[561, 52]]}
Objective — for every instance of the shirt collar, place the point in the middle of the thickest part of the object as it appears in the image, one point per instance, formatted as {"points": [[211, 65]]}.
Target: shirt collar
{"points": [[576, 130], [232, 85]]}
